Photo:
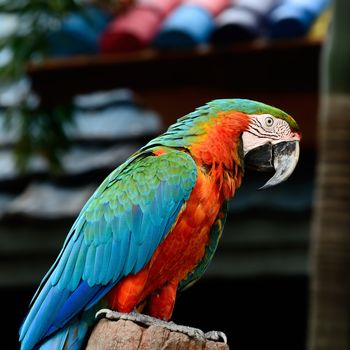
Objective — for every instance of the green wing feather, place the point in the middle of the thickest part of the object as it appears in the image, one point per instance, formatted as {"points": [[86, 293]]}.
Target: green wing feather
{"points": [[128, 216], [115, 234]]}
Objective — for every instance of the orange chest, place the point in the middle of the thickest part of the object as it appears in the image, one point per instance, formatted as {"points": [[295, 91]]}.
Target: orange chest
{"points": [[185, 245]]}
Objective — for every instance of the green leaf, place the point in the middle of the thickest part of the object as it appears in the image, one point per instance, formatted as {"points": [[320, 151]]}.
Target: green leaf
{"points": [[42, 131]]}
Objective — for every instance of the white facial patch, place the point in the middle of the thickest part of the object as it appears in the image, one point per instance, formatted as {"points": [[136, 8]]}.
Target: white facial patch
{"points": [[250, 141], [266, 128]]}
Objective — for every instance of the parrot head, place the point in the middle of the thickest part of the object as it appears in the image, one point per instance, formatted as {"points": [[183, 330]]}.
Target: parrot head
{"points": [[243, 132], [271, 143]]}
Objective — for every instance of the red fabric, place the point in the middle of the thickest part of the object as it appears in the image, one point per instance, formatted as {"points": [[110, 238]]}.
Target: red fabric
{"points": [[136, 28], [131, 31]]}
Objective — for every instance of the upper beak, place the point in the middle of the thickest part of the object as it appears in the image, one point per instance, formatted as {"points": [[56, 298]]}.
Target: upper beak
{"points": [[281, 157]]}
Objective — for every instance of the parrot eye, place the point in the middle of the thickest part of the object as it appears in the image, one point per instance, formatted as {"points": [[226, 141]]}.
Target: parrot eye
{"points": [[269, 121]]}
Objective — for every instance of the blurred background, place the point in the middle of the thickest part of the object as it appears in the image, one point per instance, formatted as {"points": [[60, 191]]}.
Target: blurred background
{"points": [[84, 84]]}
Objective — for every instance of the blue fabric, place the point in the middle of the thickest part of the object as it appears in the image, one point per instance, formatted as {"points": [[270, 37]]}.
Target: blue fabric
{"points": [[79, 33], [294, 18], [187, 26], [245, 20], [236, 24]]}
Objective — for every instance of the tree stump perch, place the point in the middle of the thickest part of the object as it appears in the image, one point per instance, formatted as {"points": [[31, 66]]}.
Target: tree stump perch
{"points": [[127, 335]]}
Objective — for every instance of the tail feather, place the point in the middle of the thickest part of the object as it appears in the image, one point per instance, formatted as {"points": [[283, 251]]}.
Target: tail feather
{"points": [[54, 308], [72, 337], [57, 341], [41, 316]]}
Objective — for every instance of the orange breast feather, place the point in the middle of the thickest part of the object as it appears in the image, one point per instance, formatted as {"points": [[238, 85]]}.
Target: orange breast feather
{"points": [[179, 253]]}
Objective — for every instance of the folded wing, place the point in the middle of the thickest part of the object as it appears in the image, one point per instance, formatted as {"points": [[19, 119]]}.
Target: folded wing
{"points": [[115, 234]]}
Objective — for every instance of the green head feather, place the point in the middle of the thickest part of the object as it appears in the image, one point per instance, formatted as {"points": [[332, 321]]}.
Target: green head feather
{"points": [[250, 107], [181, 134]]}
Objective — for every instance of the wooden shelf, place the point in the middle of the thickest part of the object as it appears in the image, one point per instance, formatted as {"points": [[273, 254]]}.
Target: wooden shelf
{"points": [[282, 73], [260, 64]]}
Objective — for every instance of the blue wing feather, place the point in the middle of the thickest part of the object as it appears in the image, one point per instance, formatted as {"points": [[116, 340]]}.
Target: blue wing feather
{"points": [[115, 234]]}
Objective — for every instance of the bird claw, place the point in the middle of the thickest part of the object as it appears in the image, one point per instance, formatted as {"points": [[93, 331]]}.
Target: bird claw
{"points": [[171, 326], [216, 336], [104, 313]]}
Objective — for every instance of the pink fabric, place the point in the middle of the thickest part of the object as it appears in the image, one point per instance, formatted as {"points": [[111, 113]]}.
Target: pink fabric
{"points": [[163, 6], [212, 6], [136, 28]]}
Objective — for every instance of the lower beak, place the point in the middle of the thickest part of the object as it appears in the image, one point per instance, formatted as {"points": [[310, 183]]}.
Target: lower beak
{"points": [[281, 157]]}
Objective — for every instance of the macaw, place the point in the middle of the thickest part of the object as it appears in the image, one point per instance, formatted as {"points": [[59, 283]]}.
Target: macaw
{"points": [[152, 227]]}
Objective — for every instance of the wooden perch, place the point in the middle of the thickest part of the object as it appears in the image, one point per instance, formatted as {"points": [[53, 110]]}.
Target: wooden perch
{"points": [[127, 335]]}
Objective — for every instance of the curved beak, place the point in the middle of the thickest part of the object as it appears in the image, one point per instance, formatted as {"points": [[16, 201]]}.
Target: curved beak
{"points": [[281, 157]]}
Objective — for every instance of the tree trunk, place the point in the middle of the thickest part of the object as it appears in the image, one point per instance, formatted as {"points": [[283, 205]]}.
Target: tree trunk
{"points": [[329, 326], [126, 335]]}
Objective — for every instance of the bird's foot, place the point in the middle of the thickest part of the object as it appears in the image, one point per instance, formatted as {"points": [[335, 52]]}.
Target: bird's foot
{"points": [[171, 326], [216, 336]]}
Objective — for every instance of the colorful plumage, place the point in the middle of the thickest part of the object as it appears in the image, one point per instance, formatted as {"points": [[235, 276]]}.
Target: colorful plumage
{"points": [[152, 227]]}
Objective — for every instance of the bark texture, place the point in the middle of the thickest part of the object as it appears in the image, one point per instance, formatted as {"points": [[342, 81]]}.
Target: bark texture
{"points": [[126, 335], [330, 250], [330, 286]]}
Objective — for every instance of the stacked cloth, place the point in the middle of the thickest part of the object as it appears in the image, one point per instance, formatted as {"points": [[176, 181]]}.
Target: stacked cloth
{"points": [[174, 24]]}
